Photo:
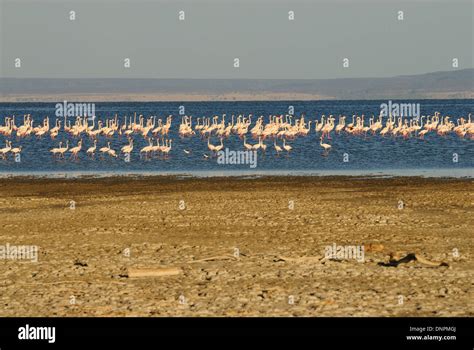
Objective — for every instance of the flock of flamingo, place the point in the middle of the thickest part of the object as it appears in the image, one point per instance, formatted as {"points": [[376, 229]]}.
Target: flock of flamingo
{"points": [[279, 129]]}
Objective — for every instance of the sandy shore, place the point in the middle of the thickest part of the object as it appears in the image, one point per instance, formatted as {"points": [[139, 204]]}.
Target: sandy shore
{"points": [[265, 239]]}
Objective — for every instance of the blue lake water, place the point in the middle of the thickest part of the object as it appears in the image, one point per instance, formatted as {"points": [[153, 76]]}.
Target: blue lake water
{"points": [[372, 154]]}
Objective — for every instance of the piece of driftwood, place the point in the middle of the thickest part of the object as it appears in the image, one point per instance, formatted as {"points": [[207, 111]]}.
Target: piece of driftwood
{"points": [[395, 260], [153, 272], [213, 258], [302, 259], [67, 281]]}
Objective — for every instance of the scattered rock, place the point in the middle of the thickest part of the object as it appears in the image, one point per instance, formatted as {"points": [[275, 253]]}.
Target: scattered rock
{"points": [[81, 263]]}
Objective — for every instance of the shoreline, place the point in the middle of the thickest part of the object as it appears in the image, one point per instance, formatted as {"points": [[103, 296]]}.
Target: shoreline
{"points": [[254, 98], [460, 173]]}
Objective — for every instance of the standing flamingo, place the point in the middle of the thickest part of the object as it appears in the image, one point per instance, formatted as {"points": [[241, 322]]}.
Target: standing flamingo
{"points": [[325, 146]]}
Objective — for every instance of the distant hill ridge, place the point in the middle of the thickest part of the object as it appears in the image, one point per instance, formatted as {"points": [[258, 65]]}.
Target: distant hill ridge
{"points": [[451, 84]]}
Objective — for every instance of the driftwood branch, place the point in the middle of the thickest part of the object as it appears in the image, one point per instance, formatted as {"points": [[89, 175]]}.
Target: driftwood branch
{"points": [[153, 272], [395, 260], [303, 259], [213, 258]]}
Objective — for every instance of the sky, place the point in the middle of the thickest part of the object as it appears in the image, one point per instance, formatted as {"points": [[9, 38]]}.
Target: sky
{"points": [[215, 33]]}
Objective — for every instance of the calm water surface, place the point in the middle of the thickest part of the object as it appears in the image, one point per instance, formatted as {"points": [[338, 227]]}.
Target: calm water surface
{"points": [[372, 155]]}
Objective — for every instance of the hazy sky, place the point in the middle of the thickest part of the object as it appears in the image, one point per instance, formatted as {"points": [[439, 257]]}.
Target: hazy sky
{"points": [[258, 32]]}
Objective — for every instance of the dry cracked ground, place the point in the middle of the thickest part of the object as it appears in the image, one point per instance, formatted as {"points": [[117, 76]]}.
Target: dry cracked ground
{"points": [[243, 247]]}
